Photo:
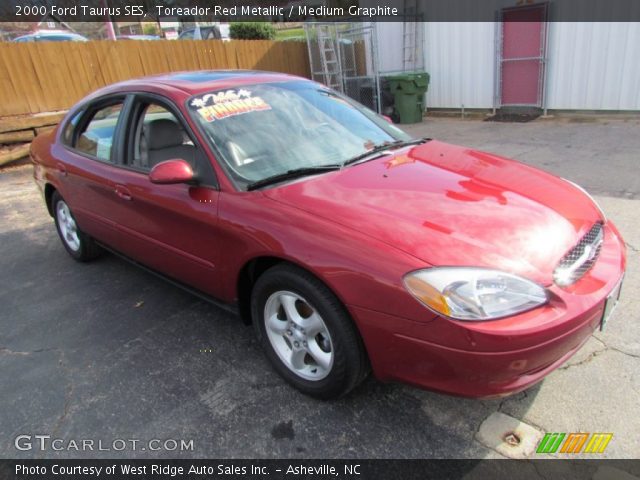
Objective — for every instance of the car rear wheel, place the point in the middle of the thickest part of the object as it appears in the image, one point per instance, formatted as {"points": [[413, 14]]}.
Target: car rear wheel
{"points": [[306, 333], [79, 245]]}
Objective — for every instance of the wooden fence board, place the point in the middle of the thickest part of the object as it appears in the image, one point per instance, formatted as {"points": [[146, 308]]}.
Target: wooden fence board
{"points": [[7, 91], [22, 71], [43, 77]]}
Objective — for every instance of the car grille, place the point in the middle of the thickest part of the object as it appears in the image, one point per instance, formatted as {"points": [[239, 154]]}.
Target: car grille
{"points": [[580, 258]]}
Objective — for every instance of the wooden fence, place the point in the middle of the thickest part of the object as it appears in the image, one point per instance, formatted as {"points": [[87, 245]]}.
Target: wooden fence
{"points": [[50, 76]]}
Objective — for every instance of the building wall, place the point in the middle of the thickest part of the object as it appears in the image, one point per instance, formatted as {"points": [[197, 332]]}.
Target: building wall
{"points": [[460, 58], [389, 46], [594, 66], [591, 66]]}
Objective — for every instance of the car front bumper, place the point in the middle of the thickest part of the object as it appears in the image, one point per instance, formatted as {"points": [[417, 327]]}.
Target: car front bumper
{"points": [[493, 358]]}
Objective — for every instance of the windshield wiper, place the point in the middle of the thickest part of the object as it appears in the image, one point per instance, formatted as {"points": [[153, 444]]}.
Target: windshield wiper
{"points": [[382, 147], [305, 171], [291, 174]]}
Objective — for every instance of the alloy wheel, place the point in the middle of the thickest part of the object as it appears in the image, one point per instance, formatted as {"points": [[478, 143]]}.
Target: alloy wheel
{"points": [[68, 227], [299, 335]]}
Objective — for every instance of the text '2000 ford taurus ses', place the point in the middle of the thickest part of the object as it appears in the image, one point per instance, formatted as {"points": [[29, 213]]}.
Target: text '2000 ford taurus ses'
{"points": [[347, 244]]}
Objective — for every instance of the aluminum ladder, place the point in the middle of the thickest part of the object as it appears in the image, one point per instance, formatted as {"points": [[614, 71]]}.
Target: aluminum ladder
{"points": [[329, 57], [410, 36]]}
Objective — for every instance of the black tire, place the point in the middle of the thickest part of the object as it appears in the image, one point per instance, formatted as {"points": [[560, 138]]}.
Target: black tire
{"points": [[87, 247], [350, 364]]}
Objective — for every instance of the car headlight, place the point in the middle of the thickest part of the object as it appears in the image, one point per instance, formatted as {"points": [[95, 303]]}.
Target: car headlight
{"points": [[602, 214], [467, 293]]}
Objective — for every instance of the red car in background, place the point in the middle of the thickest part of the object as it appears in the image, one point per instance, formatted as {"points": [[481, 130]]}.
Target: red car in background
{"points": [[349, 245]]}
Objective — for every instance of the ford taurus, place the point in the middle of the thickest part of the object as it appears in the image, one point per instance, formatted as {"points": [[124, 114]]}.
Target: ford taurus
{"points": [[349, 245]]}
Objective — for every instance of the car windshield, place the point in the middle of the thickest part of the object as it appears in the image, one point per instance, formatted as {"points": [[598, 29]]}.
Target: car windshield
{"points": [[264, 130]]}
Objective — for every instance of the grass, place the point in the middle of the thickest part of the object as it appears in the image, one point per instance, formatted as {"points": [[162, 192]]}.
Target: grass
{"points": [[290, 34]]}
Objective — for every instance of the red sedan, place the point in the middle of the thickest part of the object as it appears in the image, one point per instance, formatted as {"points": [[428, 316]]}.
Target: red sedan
{"points": [[347, 244]]}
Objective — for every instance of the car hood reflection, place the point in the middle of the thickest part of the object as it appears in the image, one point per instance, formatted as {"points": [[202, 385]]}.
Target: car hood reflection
{"points": [[449, 205]]}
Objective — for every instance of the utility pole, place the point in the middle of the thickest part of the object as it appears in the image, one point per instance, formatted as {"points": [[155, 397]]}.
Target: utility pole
{"points": [[111, 34]]}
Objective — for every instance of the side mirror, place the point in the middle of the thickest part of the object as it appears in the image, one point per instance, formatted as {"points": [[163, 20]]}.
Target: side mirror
{"points": [[171, 171]]}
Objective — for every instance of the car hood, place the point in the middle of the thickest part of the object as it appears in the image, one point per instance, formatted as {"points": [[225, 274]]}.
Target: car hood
{"points": [[453, 206]]}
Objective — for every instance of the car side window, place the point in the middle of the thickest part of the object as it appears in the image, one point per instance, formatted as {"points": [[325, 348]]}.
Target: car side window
{"points": [[96, 138], [69, 128], [160, 136], [157, 134]]}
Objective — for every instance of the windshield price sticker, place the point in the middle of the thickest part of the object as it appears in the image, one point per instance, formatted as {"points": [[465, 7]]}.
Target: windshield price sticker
{"points": [[217, 106]]}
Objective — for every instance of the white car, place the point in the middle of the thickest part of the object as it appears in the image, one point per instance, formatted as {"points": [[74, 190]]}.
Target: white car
{"points": [[51, 36]]}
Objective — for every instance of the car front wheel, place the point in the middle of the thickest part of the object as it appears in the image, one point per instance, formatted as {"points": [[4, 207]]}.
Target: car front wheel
{"points": [[307, 333], [79, 245]]}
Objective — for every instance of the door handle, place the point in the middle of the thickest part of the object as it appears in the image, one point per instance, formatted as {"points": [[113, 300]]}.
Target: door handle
{"points": [[122, 192], [62, 169]]}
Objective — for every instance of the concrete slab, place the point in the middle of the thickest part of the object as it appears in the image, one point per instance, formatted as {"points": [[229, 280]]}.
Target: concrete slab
{"points": [[596, 155], [508, 436]]}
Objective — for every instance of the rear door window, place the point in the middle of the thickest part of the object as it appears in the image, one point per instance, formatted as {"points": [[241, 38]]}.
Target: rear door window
{"points": [[69, 128], [96, 138]]}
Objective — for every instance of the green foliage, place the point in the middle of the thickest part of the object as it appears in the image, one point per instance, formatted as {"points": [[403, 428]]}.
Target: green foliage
{"points": [[252, 31], [150, 29]]}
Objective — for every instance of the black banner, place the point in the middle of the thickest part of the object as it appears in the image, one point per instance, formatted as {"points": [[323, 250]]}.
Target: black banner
{"points": [[318, 469]]}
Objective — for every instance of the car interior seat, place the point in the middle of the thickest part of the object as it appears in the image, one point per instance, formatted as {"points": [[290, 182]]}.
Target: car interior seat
{"points": [[164, 140]]}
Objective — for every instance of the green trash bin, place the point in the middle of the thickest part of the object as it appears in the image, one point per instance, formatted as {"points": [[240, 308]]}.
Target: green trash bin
{"points": [[408, 90]]}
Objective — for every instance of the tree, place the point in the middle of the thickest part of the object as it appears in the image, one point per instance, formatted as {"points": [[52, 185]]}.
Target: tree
{"points": [[150, 29]]}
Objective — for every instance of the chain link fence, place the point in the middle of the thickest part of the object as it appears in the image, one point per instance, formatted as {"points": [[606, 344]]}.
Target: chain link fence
{"points": [[344, 56]]}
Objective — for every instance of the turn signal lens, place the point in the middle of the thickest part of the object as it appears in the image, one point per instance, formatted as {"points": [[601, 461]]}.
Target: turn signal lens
{"points": [[467, 293], [427, 294]]}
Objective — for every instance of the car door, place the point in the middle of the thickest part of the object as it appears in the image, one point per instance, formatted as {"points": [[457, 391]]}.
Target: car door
{"points": [[87, 160], [170, 228]]}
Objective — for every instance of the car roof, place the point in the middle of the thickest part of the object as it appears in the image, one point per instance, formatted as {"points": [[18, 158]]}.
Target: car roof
{"points": [[54, 32], [137, 37], [50, 33], [194, 82]]}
